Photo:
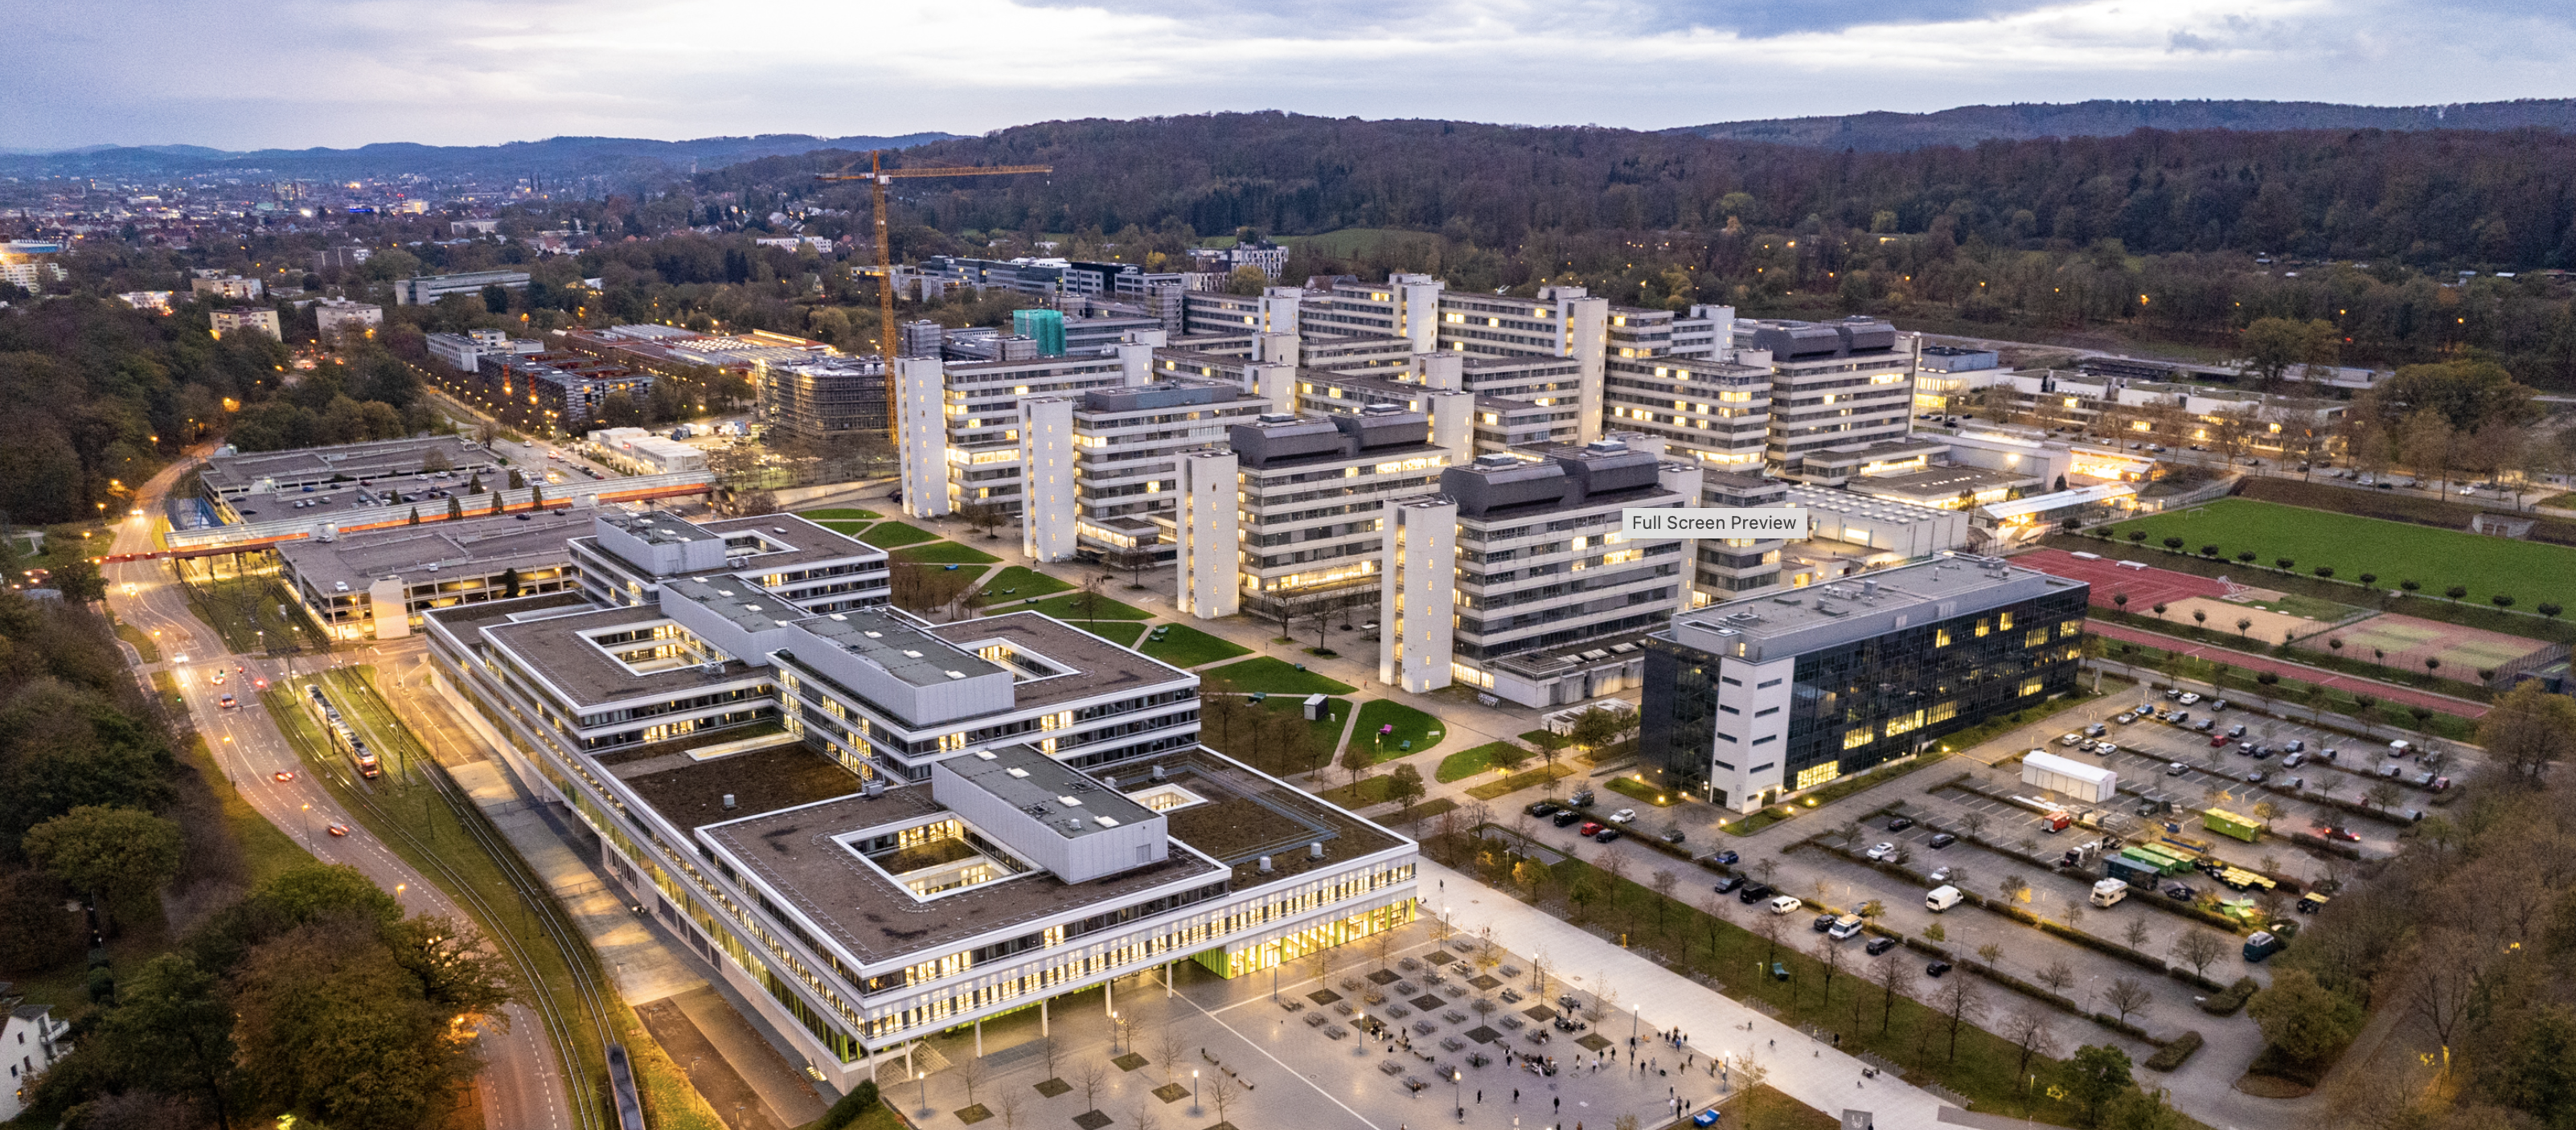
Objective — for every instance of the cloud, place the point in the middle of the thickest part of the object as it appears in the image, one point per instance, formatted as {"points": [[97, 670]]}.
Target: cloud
{"points": [[295, 73]]}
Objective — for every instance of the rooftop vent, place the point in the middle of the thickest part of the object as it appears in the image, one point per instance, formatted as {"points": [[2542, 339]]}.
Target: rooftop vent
{"points": [[908, 652], [986, 754], [1015, 770], [728, 801], [711, 668], [1265, 865], [1106, 821], [875, 787], [1158, 772], [1069, 801], [1315, 850], [873, 635]]}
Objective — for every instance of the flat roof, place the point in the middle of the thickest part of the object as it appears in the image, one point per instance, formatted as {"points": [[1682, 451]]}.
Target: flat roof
{"points": [[1872, 604], [809, 544], [745, 605], [894, 643], [473, 547], [232, 474], [1099, 666], [556, 650], [1944, 482], [1022, 777], [2042, 503], [690, 793], [798, 853], [1860, 505]]}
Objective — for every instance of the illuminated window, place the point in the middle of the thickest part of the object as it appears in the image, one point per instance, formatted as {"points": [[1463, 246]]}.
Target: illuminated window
{"points": [[2036, 637], [1981, 629], [1940, 637], [1941, 712], [1904, 723], [2029, 687], [2069, 628], [2005, 621], [1857, 737], [1815, 775]]}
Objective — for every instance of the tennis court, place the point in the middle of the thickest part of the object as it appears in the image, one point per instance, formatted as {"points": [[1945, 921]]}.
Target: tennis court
{"points": [[2404, 642]]}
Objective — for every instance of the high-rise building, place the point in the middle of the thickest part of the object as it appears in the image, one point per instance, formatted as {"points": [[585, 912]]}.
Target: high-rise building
{"points": [[1206, 526], [824, 399], [960, 424], [1842, 389], [1754, 701], [1537, 593], [1313, 493], [1101, 468]]}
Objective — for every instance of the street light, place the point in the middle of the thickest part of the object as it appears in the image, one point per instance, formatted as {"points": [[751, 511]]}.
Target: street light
{"points": [[923, 1078], [1194, 1090]]}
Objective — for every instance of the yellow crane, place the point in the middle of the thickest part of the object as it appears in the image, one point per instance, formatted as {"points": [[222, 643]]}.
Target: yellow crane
{"points": [[878, 177]]}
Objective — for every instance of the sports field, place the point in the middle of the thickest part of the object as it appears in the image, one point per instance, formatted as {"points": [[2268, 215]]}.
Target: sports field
{"points": [[2530, 572], [2404, 642]]}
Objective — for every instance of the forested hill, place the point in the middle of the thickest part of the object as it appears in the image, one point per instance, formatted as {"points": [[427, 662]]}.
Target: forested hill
{"points": [[550, 158], [1967, 125], [2445, 198]]}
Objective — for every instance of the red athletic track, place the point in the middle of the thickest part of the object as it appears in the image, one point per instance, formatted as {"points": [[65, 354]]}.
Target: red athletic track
{"points": [[2146, 587]]}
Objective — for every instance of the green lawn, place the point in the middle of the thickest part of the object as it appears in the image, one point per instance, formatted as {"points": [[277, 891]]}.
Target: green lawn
{"points": [[1370, 790], [845, 529], [2395, 551], [1120, 632], [1413, 730], [1521, 780], [887, 535], [1275, 677], [1185, 646], [1070, 608], [1019, 582], [840, 512], [1468, 762], [1632, 787], [142, 642], [944, 553]]}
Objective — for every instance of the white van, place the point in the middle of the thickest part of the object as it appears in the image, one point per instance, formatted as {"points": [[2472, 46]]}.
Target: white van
{"points": [[2400, 748], [1942, 898]]}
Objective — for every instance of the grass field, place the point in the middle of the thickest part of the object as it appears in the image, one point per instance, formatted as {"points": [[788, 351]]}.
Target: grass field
{"points": [[141, 640], [1276, 677], [1369, 790], [1639, 790], [1019, 582], [1185, 646], [1069, 608], [2530, 572], [888, 535], [845, 529], [1350, 242], [840, 512], [943, 553], [1521, 780], [1484, 758], [1412, 730]]}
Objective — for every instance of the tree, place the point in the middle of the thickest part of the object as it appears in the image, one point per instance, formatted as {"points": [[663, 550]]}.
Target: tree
{"points": [[2058, 977], [2014, 888], [1961, 1005], [455, 509], [1089, 1079], [2198, 948], [2528, 730], [2272, 345], [510, 583], [2382, 795], [1829, 959], [414, 518], [1895, 979], [172, 1032], [121, 854], [1405, 786], [2028, 1029], [1597, 727], [971, 1072], [2121, 599], [331, 1026], [1221, 1093], [2442, 976], [2095, 1075], [1357, 759], [2302, 1018], [2127, 995]]}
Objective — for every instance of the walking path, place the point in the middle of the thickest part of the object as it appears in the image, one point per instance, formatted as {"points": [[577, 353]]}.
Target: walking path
{"points": [[2390, 692], [1714, 1025]]}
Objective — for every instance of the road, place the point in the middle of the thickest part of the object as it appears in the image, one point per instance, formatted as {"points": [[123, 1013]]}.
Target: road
{"points": [[521, 1084], [2388, 691]]}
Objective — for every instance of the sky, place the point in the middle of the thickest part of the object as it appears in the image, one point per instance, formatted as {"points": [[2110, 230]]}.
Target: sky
{"points": [[296, 73]]}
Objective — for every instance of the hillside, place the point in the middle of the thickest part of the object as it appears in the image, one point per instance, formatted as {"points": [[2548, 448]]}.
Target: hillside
{"points": [[1886, 132], [554, 157]]}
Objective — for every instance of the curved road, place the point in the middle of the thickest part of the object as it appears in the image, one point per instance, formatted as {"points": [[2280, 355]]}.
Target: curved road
{"points": [[521, 1084]]}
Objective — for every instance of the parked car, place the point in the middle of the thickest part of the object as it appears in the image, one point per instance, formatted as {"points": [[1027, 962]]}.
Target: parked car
{"points": [[2180, 892], [1823, 923], [1936, 968], [2236, 731], [1727, 886], [2218, 741], [2294, 761], [1888, 851], [1942, 839], [2125, 719], [1589, 828], [1753, 893], [2254, 776], [1566, 817], [1726, 857], [1623, 816], [2295, 745], [2188, 698], [1786, 904], [2069, 738], [1606, 835], [1942, 874], [1878, 946], [1844, 928], [1900, 823], [1543, 808], [1672, 836], [2176, 769], [2095, 730], [1582, 798]]}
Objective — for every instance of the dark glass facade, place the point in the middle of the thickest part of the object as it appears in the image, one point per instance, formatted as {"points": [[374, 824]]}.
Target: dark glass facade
{"points": [[1857, 705]]}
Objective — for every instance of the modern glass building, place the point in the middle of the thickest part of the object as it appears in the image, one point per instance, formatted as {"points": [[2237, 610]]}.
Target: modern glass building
{"points": [[1755, 700]]}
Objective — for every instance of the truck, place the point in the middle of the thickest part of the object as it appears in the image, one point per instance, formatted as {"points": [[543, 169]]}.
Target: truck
{"points": [[2125, 869], [2229, 824], [2109, 892], [2056, 822]]}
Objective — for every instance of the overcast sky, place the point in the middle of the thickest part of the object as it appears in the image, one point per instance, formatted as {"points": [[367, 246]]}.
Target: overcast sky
{"points": [[295, 73]]}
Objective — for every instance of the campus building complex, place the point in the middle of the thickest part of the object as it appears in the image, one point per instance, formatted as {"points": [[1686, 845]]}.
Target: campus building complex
{"points": [[1754, 700], [880, 828]]}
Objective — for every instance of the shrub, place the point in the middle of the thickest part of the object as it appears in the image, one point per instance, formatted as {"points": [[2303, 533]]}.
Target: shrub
{"points": [[2284, 563], [2501, 600], [2369, 578], [2209, 551], [2455, 592], [2410, 586], [2226, 1003], [2137, 535], [859, 1101], [2326, 571], [2247, 557], [2173, 543], [2172, 1055]]}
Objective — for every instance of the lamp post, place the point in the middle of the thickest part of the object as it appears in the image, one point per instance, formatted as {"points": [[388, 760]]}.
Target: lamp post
{"points": [[308, 827], [923, 1079], [1194, 1090]]}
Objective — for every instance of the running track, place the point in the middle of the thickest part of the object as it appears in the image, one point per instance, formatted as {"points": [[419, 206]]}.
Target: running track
{"points": [[2145, 588], [2385, 692]]}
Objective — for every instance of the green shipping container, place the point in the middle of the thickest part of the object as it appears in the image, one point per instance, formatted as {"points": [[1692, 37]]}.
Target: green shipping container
{"points": [[2227, 823]]}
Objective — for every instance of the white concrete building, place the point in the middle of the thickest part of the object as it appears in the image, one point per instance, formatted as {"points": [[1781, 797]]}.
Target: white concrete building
{"points": [[247, 320], [1415, 597], [233, 287], [1834, 385], [1208, 529], [1313, 494], [31, 1041]]}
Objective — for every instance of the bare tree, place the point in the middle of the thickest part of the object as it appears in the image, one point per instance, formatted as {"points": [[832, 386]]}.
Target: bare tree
{"points": [[1895, 979], [1049, 1050], [1483, 1006], [2136, 934], [2127, 995], [1168, 1050], [1144, 1118], [1010, 1106], [1382, 944], [1767, 927], [1974, 822], [2197, 949], [1829, 956], [972, 1073], [2070, 912], [1222, 1093], [2058, 976], [2028, 1029], [1961, 1005], [1714, 905], [1089, 1079], [2441, 981]]}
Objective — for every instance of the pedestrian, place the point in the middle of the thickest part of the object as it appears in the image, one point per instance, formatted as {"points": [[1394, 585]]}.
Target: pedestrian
{"points": [[1480, 1096]]}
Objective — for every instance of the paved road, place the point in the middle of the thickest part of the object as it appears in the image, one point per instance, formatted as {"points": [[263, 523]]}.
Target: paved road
{"points": [[521, 1084]]}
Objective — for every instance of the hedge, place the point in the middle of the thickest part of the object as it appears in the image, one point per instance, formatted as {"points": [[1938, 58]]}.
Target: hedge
{"points": [[2226, 1003], [848, 1110], [2173, 1054]]}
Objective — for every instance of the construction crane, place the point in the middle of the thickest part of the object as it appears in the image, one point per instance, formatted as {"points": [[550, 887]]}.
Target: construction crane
{"points": [[878, 177]]}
